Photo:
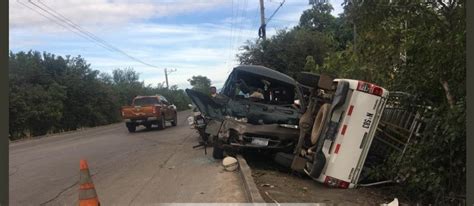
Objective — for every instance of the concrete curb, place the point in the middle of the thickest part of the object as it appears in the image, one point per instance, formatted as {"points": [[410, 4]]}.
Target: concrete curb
{"points": [[251, 190]]}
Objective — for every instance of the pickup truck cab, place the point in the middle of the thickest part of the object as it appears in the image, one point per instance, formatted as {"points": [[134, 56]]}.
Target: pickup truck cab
{"points": [[255, 109], [148, 111]]}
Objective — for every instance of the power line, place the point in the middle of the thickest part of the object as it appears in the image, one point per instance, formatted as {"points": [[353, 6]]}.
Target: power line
{"points": [[229, 53], [90, 35], [66, 24], [68, 21], [231, 37], [235, 40], [242, 21], [270, 18], [264, 22], [55, 21]]}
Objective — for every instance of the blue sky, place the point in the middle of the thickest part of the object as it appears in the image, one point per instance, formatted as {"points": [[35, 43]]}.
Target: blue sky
{"points": [[196, 37]]}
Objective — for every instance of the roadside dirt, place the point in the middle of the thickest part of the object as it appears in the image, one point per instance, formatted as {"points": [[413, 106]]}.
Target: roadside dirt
{"points": [[279, 184]]}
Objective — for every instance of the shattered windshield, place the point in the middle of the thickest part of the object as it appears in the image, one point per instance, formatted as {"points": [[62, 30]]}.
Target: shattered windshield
{"points": [[257, 88]]}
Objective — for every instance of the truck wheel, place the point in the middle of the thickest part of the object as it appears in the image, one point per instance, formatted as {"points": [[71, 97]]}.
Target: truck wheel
{"points": [[284, 159], [319, 122], [217, 152], [131, 128], [162, 123], [318, 165], [175, 120]]}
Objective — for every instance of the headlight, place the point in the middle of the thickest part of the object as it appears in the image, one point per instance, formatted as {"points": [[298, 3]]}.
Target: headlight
{"points": [[244, 120], [291, 126]]}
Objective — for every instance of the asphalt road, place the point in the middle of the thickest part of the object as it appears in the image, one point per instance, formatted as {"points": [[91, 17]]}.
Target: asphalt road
{"points": [[149, 166]]}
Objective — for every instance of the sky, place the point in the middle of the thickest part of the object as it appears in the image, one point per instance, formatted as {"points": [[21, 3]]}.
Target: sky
{"points": [[194, 37]]}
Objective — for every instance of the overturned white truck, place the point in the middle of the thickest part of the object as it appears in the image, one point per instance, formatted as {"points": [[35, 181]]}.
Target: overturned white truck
{"points": [[337, 129], [317, 125]]}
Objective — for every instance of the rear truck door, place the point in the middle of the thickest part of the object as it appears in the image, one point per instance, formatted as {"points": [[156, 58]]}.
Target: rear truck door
{"points": [[353, 135], [206, 105]]}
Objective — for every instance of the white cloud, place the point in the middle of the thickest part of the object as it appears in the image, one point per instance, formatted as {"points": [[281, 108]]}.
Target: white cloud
{"points": [[205, 48], [100, 13]]}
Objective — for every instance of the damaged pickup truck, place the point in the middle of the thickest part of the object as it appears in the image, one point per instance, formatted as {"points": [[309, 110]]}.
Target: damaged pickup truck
{"points": [[257, 108]]}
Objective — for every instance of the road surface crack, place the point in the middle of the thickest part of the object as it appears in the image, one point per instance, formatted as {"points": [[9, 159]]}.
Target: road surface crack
{"points": [[62, 191]]}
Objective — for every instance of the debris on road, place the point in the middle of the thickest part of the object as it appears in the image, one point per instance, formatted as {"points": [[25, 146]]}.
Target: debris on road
{"points": [[267, 185], [393, 203], [273, 199], [230, 164], [301, 189]]}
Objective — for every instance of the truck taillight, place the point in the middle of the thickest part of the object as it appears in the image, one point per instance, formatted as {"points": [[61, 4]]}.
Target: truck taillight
{"points": [[123, 114], [333, 182], [154, 110], [369, 88]]}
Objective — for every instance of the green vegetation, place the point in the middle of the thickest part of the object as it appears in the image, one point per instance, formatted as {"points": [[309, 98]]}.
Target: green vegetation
{"points": [[50, 94], [200, 83], [412, 46]]}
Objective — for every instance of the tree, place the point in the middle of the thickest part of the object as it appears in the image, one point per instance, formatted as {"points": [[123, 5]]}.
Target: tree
{"points": [[411, 46], [200, 83], [319, 18], [49, 94], [416, 47], [317, 35], [286, 52]]}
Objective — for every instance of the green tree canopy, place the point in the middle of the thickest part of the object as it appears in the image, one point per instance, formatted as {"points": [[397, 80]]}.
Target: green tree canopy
{"points": [[51, 93], [200, 83]]}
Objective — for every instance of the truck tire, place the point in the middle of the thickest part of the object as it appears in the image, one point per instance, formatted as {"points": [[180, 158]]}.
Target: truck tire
{"points": [[318, 165], [161, 122], [217, 152], [131, 127], [175, 120], [319, 122], [284, 159]]}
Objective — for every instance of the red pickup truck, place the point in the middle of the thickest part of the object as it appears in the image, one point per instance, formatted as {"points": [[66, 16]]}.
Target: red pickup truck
{"points": [[148, 111]]}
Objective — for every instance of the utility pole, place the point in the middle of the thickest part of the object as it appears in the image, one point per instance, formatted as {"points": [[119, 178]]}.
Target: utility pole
{"points": [[261, 32], [166, 76]]}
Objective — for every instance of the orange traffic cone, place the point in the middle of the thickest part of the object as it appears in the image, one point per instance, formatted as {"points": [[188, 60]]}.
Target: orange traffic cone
{"points": [[87, 194]]}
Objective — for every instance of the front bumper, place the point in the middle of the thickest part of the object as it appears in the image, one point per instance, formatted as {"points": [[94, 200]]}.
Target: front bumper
{"points": [[232, 133]]}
